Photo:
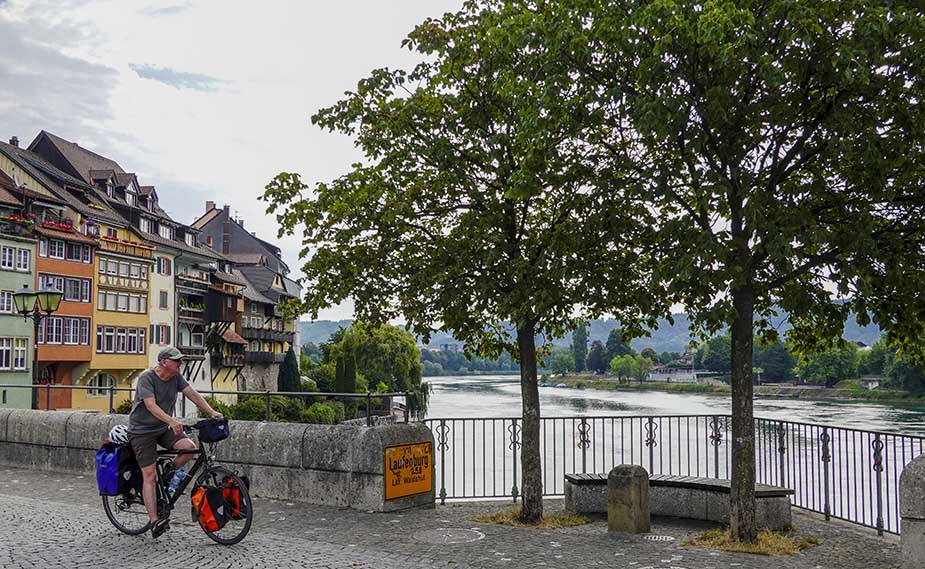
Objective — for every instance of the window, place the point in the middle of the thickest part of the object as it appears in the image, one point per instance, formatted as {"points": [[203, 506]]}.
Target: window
{"points": [[190, 239], [54, 331], [110, 339], [71, 330], [163, 299], [132, 340], [56, 249], [112, 233], [130, 198], [163, 334], [141, 340], [23, 259], [123, 302], [133, 303], [144, 272], [197, 339], [6, 353], [43, 248], [86, 255], [123, 269], [165, 231], [84, 290], [147, 225], [7, 257], [100, 385], [112, 267], [135, 271], [74, 252], [84, 331], [6, 301], [163, 266], [120, 340], [72, 290], [91, 228], [209, 241], [111, 300], [53, 281], [229, 301], [144, 303]]}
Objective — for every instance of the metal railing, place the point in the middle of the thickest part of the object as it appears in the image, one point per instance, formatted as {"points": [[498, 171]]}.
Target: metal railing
{"points": [[367, 400], [843, 473]]}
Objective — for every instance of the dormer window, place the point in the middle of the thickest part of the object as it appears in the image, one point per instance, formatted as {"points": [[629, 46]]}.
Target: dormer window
{"points": [[109, 189], [146, 225], [130, 198], [150, 203], [165, 231], [190, 239]]}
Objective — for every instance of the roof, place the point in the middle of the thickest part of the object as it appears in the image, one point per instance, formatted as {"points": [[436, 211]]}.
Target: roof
{"points": [[54, 180], [250, 291], [293, 288], [206, 218], [181, 246], [246, 258], [229, 278], [75, 236], [81, 159], [6, 197], [233, 337]]}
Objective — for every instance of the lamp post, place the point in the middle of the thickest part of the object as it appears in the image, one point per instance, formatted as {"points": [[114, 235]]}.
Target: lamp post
{"points": [[36, 305]]}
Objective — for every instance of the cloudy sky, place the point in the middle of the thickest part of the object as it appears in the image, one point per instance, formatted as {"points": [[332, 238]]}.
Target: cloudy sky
{"points": [[206, 100]]}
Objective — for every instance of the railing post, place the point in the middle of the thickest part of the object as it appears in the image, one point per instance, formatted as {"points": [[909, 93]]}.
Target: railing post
{"points": [[268, 405], [716, 439], [112, 392], [48, 396], [369, 408], [878, 468], [441, 446], [826, 457], [183, 406], [651, 427], [407, 409], [782, 452], [583, 442], [514, 431]]}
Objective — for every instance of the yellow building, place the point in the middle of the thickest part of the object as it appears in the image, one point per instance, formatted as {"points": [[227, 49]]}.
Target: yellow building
{"points": [[121, 334]]}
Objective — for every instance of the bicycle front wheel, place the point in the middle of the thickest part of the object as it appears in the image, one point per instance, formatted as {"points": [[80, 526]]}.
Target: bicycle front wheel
{"points": [[241, 513], [127, 512]]}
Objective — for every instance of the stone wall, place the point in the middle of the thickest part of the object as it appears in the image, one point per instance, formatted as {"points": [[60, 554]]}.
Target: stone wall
{"points": [[335, 465], [259, 377]]}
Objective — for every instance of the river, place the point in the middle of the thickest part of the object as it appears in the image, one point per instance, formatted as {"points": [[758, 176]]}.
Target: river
{"points": [[499, 396]]}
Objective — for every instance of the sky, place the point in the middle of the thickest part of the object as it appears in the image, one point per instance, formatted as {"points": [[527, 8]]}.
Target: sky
{"points": [[206, 100]]}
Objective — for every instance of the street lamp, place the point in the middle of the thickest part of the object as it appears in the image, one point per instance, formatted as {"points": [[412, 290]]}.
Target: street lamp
{"points": [[32, 304]]}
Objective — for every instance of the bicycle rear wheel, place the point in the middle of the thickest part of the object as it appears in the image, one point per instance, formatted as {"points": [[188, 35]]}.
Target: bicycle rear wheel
{"points": [[238, 525], [127, 512]]}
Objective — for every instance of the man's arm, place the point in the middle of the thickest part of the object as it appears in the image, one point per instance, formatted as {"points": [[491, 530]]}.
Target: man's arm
{"points": [[197, 399], [151, 405]]}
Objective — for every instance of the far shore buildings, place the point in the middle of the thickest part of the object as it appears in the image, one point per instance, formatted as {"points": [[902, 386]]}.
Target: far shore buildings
{"points": [[134, 280]]}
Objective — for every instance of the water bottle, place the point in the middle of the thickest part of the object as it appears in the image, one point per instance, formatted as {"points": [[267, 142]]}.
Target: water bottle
{"points": [[177, 478]]}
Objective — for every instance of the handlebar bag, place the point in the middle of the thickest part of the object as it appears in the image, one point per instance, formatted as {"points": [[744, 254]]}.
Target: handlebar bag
{"points": [[213, 430]]}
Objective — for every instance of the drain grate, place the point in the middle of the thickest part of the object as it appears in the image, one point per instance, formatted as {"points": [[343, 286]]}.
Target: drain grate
{"points": [[652, 537]]}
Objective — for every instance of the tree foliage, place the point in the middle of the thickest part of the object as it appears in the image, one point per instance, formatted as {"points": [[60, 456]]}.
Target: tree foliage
{"points": [[597, 357], [580, 347], [289, 378], [618, 344], [830, 367]]}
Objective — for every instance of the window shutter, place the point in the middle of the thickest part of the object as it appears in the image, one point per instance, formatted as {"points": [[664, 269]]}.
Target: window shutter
{"points": [[168, 334], [151, 336]]}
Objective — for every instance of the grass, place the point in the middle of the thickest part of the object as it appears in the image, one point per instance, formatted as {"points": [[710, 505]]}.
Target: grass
{"points": [[555, 520], [769, 543]]}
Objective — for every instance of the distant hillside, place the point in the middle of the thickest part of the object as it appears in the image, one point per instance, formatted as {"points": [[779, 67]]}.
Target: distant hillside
{"points": [[666, 338]]}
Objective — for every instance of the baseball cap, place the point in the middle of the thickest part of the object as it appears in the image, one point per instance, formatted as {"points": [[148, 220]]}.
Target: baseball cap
{"points": [[170, 353]]}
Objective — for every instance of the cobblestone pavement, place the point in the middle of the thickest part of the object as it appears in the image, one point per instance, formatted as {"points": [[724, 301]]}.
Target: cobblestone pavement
{"points": [[56, 520]]}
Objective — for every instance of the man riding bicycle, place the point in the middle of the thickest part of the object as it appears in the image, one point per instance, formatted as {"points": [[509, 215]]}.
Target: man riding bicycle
{"points": [[151, 423]]}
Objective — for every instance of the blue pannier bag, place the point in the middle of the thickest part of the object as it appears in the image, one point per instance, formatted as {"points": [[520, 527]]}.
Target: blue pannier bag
{"points": [[107, 469], [117, 471], [213, 430]]}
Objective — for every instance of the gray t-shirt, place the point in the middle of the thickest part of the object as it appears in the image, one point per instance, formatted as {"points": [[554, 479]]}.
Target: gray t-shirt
{"points": [[140, 420]]}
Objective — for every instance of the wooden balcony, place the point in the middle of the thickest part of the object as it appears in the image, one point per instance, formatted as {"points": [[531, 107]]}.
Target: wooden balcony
{"points": [[134, 249], [227, 360], [262, 334], [263, 357]]}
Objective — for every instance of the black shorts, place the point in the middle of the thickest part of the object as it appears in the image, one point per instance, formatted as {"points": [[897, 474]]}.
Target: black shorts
{"points": [[145, 445]]}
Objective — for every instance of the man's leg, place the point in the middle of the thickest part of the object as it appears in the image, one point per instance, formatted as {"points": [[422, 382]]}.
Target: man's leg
{"points": [[149, 490], [183, 444]]}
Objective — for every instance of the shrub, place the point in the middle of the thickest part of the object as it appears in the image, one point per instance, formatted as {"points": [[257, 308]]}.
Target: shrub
{"points": [[319, 413], [124, 408], [253, 409], [219, 406], [340, 410]]}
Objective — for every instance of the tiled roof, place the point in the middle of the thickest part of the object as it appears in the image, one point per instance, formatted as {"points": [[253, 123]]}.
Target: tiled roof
{"points": [[233, 337], [181, 246], [205, 219], [293, 288], [6, 197], [82, 159], [75, 236], [250, 291], [246, 258], [229, 278]]}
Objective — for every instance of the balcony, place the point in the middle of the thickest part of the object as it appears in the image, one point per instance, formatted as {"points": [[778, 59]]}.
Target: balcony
{"points": [[191, 313], [263, 357], [271, 335], [132, 248], [228, 360], [193, 352], [218, 309]]}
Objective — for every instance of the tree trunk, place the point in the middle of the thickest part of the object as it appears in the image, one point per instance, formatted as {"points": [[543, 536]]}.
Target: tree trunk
{"points": [[532, 487], [742, 498]]}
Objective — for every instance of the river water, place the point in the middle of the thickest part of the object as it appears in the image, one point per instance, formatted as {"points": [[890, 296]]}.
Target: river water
{"points": [[499, 396]]}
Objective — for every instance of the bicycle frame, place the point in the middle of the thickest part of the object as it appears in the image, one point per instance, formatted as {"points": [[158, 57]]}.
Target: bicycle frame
{"points": [[203, 460]]}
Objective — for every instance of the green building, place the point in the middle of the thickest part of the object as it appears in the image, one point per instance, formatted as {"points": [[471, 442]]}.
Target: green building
{"points": [[17, 269]]}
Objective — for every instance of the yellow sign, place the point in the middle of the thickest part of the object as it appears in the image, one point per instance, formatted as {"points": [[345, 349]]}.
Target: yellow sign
{"points": [[409, 470]]}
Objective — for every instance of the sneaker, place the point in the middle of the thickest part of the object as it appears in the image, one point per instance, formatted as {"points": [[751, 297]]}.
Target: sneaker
{"points": [[159, 527]]}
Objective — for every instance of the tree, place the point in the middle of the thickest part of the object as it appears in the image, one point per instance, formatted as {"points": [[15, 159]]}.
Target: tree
{"points": [[618, 344], [288, 378], [831, 366], [473, 206], [779, 143], [597, 357], [904, 375], [580, 347], [874, 360], [642, 367], [650, 354], [562, 364], [717, 354], [775, 360], [623, 367]]}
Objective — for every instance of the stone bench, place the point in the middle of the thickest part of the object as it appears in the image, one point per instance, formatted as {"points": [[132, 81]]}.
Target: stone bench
{"points": [[682, 497]]}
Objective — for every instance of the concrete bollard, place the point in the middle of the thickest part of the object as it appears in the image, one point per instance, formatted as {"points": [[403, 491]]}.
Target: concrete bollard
{"points": [[912, 510], [628, 499]]}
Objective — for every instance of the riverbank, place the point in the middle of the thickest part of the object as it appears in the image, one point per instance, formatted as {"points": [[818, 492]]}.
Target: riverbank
{"points": [[804, 392]]}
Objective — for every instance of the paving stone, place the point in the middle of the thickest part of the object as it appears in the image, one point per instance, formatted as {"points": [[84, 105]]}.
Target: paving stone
{"points": [[56, 520]]}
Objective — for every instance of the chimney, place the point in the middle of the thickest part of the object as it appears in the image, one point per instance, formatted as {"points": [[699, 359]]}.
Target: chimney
{"points": [[240, 221], [14, 141], [210, 205]]}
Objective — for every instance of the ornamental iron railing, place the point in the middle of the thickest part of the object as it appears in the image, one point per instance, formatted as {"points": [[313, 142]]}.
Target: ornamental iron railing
{"points": [[842, 473]]}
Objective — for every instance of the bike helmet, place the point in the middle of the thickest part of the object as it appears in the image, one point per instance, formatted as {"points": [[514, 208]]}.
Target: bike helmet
{"points": [[119, 435]]}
